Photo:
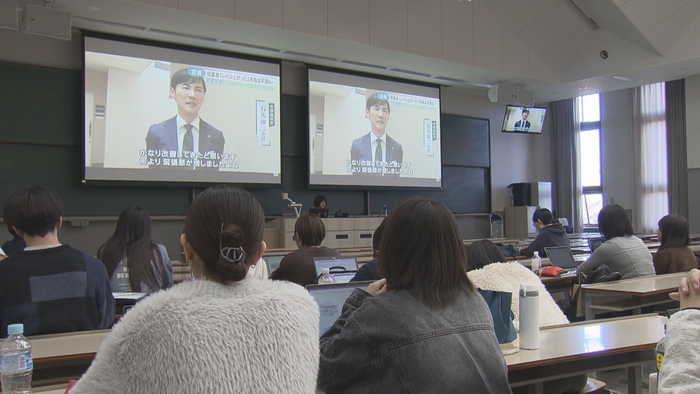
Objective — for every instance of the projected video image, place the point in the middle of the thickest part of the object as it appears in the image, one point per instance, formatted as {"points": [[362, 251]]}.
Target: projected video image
{"points": [[156, 114], [371, 132]]}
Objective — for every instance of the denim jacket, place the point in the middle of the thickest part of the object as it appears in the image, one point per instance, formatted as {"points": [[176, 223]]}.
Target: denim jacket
{"points": [[394, 343]]}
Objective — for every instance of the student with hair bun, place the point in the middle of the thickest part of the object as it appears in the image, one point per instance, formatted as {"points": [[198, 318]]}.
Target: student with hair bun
{"points": [[674, 255], [223, 332]]}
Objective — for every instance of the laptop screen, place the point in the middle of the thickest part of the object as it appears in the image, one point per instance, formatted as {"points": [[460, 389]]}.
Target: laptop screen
{"points": [[560, 256], [594, 243], [272, 262], [342, 263], [330, 300], [343, 277]]}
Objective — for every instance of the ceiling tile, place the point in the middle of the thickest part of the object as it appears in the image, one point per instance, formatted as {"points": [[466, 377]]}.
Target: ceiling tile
{"points": [[516, 15], [559, 57], [647, 13], [349, 21], [554, 27], [308, 16], [425, 28], [665, 34], [457, 32], [222, 8]]}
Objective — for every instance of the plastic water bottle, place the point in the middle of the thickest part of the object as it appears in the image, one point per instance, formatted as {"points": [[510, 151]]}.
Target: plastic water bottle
{"points": [[325, 278], [16, 362], [536, 263]]}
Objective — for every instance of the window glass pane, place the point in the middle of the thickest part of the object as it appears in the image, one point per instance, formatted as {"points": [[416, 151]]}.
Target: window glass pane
{"points": [[590, 106], [592, 204], [590, 157]]}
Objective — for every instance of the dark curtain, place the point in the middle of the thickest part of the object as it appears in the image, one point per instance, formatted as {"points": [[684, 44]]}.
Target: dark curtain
{"points": [[563, 159], [676, 148]]}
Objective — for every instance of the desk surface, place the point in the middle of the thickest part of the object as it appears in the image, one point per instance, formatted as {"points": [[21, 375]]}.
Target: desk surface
{"points": [[648, 285], [574, 342], [68, 344]]}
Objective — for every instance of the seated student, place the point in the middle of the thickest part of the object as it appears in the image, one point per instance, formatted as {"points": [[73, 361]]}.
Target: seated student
{"points": [[674, 255], [548, 233], [486, 270], [222, 332], [622, 251], [370, 271], [14, 245], [49, 287], [424, 326], [320, 201], [298, 267], [680, 369], [133, 261]]}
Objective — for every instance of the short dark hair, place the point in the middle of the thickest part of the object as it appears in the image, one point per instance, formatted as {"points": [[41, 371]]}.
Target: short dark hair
{"points": [[613, 222], [374, 100], [674, 232], [310, 230], [319, 199], [182, 76], [34, 210], [421, 251], [525, 111], [544, 215], [377, 238], [225, 217], [482, 253]]}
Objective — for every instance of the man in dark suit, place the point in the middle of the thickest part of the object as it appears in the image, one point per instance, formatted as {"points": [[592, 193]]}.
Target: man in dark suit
{"points": [[523, 124], [377, 146], [197, 144]]}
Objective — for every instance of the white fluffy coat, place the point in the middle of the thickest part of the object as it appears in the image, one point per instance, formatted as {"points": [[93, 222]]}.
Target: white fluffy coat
{"points": [[508, 277], [680, 370], [203, 337]]}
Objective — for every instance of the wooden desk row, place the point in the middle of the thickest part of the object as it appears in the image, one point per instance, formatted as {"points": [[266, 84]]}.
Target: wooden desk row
{"points": [[565, 350]]}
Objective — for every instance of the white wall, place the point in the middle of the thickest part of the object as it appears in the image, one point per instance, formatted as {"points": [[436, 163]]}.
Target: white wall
{"points": [[512, 155], [617, 148], [692, 122]]}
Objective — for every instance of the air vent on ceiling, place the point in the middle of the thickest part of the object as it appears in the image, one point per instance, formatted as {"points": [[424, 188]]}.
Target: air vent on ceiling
{"points": [[418, 74], [256, 47], [330, 59], [448, 79], [363, 64], [181, 35]]}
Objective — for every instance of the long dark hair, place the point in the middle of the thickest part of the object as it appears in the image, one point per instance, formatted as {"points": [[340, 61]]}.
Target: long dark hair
{"points": [[225, 227], [132, 239], [613, 222], [421, 251], [482, 253], [674, 232]]}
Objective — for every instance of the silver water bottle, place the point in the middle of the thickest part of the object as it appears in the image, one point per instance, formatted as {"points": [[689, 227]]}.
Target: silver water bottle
{"points": [[529, 317]]}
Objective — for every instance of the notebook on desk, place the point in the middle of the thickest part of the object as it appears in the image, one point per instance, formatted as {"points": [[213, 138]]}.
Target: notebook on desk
{"points": [[560, 256], [330, 300], [344, 263]]}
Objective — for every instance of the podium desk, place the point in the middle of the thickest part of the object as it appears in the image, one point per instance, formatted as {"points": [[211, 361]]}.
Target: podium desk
{"points": [[60, 357], [578, 348], [629, 294]]}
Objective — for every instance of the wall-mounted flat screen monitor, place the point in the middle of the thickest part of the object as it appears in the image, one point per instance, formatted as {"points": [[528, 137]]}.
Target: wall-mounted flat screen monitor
{"points": [[366, 131], [523, 119], [173, 114]]}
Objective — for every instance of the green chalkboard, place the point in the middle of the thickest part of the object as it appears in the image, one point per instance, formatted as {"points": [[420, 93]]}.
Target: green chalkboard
{"points": [[41, 129]]}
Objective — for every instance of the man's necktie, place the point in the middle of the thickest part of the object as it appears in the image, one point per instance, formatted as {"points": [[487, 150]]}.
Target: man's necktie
{"points": [[187, 144], [378, 152]]}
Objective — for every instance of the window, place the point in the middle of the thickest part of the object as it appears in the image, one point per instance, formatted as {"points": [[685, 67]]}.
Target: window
{"points": [[589, 153]]}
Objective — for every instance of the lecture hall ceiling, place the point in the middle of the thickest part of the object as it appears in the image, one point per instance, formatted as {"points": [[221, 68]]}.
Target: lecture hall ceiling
{"points": [[552, 47]]}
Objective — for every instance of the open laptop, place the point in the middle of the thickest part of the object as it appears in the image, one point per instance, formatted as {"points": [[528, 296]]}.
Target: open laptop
{"points": [[321, 212], [561, 257], [345, 263], [272, 263], [342, 277], [594, 243], [330, 300]]}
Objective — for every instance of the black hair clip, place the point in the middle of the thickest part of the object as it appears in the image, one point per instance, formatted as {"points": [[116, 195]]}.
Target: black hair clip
{"points": [[234, 254]]}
